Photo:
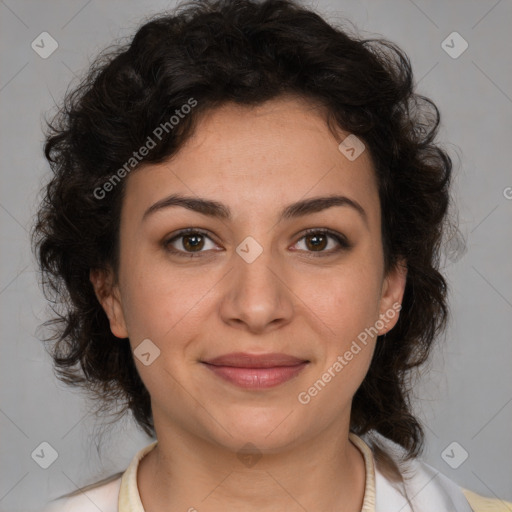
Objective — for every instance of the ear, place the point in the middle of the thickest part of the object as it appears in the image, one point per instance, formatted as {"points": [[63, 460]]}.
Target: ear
{"points": [[393, 289], [110, 299]]}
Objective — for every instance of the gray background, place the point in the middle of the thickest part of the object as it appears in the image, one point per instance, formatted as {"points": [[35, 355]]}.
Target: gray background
{"points": [[466, 397]]}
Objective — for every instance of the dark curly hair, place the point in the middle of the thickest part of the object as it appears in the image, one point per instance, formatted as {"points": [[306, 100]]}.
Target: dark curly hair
{"points": [[247, 52]]}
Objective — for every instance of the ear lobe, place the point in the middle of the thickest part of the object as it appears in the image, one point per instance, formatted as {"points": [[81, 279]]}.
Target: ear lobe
{"points": [[109, 297], [392, 295]]}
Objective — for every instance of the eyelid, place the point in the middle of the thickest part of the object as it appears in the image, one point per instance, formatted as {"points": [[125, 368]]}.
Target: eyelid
{"points": [[340, 238], [180, 234], [343, 243]]}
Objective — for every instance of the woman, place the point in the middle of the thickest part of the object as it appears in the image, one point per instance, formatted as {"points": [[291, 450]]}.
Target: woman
{"points": [[246, 215]]}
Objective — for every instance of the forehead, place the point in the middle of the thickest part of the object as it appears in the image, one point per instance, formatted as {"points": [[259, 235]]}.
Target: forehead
{"points": [[257, 159]]}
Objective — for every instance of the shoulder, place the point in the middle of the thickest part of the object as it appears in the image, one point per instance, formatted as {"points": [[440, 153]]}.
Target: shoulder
{"points": [[423, 487], [108, 495], [482, 504], [454, 492], [102, 496]]}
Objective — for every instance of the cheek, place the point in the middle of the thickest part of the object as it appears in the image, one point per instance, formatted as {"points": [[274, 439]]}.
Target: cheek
{"points": [[166, 309], [345, 300], [164, 304], [349, 308], [345, 303]]}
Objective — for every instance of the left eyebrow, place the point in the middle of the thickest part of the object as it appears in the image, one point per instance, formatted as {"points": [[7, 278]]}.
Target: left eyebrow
{"points": [[221, 211]]}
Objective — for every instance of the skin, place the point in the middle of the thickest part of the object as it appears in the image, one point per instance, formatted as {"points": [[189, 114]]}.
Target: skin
{"points": [[291, 299]]}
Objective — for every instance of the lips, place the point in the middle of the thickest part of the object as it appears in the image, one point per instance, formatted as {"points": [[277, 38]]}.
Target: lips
{"points": [[256, 372], [243, 360]]}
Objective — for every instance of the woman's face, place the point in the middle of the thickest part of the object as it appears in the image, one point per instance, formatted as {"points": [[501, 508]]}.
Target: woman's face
{"points": [[254, 282]]}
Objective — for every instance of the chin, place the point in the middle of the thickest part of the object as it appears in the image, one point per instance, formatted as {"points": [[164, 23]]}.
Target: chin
{"points": [[269, 432]]}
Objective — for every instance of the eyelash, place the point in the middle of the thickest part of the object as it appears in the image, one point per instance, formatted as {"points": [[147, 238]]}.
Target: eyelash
{"points": [[341, 239]]}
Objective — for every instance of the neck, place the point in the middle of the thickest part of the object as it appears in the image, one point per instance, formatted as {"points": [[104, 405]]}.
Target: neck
{"points": [[185, 472]]}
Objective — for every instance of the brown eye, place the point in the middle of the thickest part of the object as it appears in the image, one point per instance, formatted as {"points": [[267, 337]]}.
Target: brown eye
{"points": [[188, 242], [317, 240], [193, 242]]}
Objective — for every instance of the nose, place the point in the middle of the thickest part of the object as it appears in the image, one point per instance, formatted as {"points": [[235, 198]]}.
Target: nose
{"points": [[258, 298]]}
